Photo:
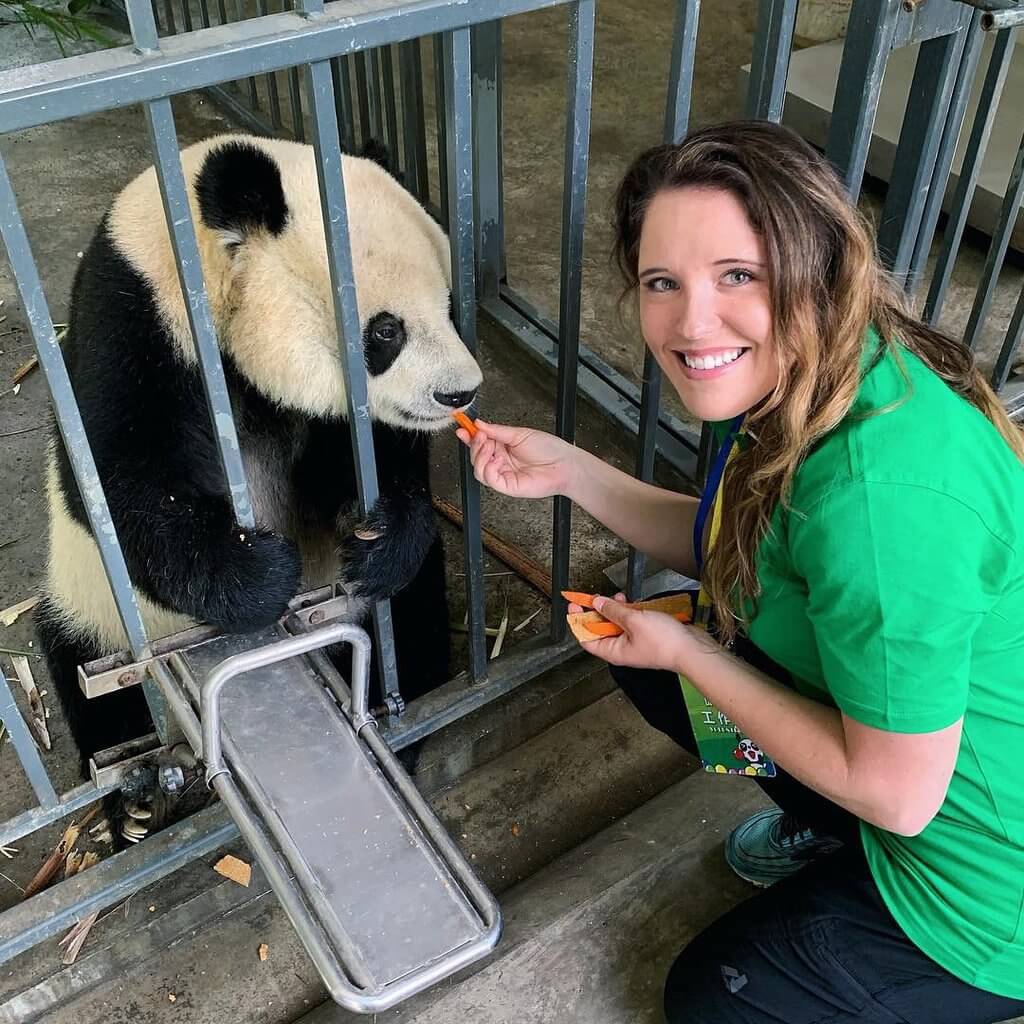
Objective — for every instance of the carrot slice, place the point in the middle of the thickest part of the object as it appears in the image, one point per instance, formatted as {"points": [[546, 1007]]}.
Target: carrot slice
{"points": [[575, 597], [465, 422], [613, 629]]}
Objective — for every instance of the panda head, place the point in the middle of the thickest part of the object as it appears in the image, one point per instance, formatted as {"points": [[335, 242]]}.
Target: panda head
{"points": [[257, 208]]}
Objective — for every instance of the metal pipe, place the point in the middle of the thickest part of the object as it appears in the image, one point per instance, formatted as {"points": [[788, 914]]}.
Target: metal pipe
{"points": [[338, 632], [458, 109], [574, 197], [776, 24], [1010, 346], [954, 122], [977, 144], [997, 249], [67, 414]]}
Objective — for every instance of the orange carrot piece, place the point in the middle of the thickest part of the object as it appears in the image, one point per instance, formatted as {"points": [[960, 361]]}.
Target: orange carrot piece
{"points": [[614, 629], [465, 422], [575, 597]]}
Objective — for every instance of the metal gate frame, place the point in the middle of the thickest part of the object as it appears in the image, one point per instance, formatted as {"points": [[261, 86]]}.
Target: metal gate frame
{"points": [[351, 37]]}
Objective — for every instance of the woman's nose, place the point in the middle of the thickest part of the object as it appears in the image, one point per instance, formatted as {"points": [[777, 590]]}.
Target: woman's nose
{"points": [[698, 318]]}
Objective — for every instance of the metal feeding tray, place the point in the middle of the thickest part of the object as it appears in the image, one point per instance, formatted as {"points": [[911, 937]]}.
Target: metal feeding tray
{"points": [[377, 891]]}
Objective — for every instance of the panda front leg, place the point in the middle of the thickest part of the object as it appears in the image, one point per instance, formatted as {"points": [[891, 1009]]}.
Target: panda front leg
{"points": [[188, 552], [383, 554]]}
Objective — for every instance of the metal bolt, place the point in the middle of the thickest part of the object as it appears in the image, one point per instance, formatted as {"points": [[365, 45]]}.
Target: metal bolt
{"points": [[317, 616], [912, 5], [126, 678], [171, 778]]}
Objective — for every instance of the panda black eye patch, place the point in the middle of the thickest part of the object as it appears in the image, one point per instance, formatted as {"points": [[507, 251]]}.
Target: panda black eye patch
{"points": [[383, 339]]}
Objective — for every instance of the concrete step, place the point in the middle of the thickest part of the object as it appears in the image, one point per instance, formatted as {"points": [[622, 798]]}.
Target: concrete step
{"points": [[196, 937], [591, 936]]}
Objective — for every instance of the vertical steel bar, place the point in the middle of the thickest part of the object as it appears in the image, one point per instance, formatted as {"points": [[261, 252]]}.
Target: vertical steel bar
{"points": [[204, 13], [271, 78], [363, 98], [977, 144], [574, 197], [254, 95], [869, 36], [458, 86], [387, 70], [776, 23], [677, 121], [170, 28], [374, 98], [914, 167], [997, 249], [25, 747], [935, 193], [487, 134], [1010, 346], [327, 146], [411, 70], [680, 76], [222, 11], [66, 413], [295, 101], [167, 160], [343, 103], [186, 14], [442, 125]]}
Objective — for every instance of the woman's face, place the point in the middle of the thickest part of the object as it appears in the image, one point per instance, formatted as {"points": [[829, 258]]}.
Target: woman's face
{"points": [[705, 311]]}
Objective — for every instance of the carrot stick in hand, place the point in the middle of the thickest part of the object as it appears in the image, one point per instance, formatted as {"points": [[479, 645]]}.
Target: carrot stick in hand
{"points": [[465, 422]]}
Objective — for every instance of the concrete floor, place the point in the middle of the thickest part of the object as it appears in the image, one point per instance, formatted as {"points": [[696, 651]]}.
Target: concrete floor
{"points": [[66, 174]]}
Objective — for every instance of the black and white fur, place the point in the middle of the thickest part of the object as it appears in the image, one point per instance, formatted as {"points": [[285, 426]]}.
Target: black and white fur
{"points": [[129, 350]]}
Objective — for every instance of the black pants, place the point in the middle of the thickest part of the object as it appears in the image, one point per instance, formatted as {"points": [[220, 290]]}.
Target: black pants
{"points": [[817, 948]]}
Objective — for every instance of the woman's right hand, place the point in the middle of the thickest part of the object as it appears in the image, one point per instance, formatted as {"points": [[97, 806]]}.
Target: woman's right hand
{"points": [[519, 461]]}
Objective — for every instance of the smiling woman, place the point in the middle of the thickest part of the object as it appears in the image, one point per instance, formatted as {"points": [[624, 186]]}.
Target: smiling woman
{"points": [[863, 589]]}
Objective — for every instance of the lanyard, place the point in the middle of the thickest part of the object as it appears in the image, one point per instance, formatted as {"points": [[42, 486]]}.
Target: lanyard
{"points": [[711, 488]]}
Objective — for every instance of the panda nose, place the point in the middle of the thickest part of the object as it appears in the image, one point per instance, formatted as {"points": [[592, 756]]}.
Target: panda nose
{"points": [[454, 399]]}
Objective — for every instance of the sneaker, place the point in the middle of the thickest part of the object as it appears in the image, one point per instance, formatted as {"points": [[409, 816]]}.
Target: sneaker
{"points": [[772, 845]]}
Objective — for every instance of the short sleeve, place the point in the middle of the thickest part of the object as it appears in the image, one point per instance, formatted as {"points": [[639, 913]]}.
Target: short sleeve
{"points": [[899, 578]]}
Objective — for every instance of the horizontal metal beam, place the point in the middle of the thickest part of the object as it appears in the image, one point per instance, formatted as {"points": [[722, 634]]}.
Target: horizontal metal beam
{"points": [[56, 909], [121, 76]]}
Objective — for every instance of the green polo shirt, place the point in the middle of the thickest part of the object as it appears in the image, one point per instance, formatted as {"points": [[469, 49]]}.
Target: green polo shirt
{"points": [[893, 589]]}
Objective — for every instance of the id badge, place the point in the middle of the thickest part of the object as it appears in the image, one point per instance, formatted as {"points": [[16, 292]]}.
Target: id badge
{"points": [[722, 747]]}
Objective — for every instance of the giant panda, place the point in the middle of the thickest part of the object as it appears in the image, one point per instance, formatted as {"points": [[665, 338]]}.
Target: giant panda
{"points": [[256, 207]]}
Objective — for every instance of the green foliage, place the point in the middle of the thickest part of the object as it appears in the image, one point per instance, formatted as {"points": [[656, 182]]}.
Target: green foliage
{"points": [[66, 21]]}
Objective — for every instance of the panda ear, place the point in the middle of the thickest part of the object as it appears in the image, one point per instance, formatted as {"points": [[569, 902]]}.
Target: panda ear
{"points": [[240, 191], [375, 150]]}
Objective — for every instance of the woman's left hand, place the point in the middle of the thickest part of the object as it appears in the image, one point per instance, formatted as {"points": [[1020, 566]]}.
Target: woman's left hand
{"points": [[649, 639]]}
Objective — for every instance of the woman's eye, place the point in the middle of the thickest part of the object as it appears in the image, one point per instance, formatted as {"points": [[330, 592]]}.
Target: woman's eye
{"points": [[738, 276], [660, 284]]}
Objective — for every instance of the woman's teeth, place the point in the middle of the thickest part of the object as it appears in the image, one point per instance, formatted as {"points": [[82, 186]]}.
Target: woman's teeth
{"points": [[710, 362]]}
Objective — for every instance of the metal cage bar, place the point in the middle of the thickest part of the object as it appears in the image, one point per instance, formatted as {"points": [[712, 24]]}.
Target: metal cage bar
{"points": [[1010, 346], [25, 748], [413, 129], [914, 167], [67, 415], [490, 242], [574, 197], [273, 98], [677, 122], [327, 145], [458, 108], [387, 70], [441, 122], [776, 24], [977, 143], [935, 193], [997, 249], [869, 37], [343, 102]]}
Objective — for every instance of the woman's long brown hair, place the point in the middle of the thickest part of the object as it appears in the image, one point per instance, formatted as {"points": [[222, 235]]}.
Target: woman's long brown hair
{"points": [[827, 286]]}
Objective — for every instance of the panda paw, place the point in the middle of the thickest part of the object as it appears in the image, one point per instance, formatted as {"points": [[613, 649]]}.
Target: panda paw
{"points": [[387, 549], [259, 573]]}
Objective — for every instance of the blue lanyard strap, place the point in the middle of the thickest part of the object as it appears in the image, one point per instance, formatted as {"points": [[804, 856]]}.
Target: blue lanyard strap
{"points": [[714, 481]]}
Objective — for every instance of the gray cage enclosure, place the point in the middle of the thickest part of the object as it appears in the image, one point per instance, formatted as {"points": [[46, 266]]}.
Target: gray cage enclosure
{"points": [[426, 77]]}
